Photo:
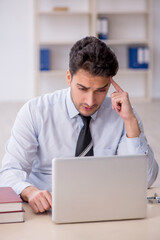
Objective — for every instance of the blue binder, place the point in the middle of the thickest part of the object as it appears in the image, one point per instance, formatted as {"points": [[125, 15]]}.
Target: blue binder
{"points": [[45, 60], [133, 57]]}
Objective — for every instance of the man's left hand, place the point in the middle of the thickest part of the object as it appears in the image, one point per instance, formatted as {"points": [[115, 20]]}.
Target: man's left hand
{"points": [[121, 103]]}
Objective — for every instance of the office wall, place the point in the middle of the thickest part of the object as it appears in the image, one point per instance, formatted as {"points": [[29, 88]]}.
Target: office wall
{"points": [[17, 50], [156, 49]]}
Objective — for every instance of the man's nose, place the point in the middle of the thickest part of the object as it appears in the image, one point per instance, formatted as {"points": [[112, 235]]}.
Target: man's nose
{"points": [[90, 99]]}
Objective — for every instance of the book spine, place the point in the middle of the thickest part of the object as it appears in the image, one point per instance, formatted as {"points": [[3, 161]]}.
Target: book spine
{"points": [[102, 28], [140, 56], [146, 57]]}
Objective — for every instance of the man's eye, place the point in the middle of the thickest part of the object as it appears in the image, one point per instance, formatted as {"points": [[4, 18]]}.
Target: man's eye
{"points": [[102, 90], [83, 89]]}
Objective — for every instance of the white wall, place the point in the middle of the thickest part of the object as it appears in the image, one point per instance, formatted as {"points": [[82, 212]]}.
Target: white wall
{"points": [[17, 50], [156, 49]]}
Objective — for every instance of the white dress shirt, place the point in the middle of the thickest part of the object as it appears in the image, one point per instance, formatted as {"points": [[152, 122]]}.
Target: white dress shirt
{"points": [[48, 126]]}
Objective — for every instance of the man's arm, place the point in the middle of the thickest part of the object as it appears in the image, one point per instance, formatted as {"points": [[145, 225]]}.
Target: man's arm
{"points": [[20, 152], [134, 142], [39, 200], [121, 103]]}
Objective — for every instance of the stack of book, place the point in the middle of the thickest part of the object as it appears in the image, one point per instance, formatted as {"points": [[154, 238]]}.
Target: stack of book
{"points": [[10, 206]]}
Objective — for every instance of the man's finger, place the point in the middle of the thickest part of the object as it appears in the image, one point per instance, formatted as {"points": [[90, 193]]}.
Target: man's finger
{"points": [[45, 204], [34, 206], [115, 85], [49, 198]]}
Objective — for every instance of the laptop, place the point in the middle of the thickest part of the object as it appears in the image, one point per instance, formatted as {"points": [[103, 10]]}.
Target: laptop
{"points": [[86, 189]]}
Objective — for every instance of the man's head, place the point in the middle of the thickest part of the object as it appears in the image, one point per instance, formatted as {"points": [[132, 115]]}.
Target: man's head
{"points": [[93, 56], [92, 63]]}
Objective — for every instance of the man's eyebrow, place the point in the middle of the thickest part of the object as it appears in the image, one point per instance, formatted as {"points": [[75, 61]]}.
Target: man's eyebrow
{"points": [[80, 85], [97, 88], [103, 87]]}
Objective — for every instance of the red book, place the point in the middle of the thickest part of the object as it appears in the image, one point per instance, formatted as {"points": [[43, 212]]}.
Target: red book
{"points": [[9, 200], [12, 217]]}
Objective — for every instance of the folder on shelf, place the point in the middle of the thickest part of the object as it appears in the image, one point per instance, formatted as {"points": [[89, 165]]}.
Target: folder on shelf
{"points": [[138, 57], [102, 28], [45, 59]]}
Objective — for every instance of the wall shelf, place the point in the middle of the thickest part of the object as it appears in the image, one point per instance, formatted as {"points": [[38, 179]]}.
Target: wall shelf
{"points": [[130, 24], [120, 72], [123, 12], [127, 41], [63, 13]]}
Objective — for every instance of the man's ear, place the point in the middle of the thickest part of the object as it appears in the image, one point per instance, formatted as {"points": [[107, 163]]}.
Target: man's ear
{"points": [[68, 77]]}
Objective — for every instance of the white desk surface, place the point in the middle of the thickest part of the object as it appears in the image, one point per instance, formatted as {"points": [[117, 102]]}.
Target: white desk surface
{"points": [[40, 226]]}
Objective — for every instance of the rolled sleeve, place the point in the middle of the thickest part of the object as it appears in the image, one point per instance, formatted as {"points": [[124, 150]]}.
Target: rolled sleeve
{"points": [[20, 152], [137, 145]]}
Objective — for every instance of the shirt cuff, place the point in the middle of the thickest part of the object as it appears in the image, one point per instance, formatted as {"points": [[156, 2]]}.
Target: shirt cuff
{"points": [[137, 145], [19, 187]]}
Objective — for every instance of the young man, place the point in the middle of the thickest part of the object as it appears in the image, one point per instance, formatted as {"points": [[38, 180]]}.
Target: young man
{"points": [[49, 126]]}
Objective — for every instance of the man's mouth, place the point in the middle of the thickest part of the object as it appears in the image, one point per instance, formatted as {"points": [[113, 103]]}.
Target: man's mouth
{"points": [[88, 108]]}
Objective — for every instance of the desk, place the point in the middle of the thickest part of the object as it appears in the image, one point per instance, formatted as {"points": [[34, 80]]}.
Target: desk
{"points": [[41, 227]]}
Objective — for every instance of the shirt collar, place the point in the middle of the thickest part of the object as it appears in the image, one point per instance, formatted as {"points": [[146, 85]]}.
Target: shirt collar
{"points": [[72, 110]]}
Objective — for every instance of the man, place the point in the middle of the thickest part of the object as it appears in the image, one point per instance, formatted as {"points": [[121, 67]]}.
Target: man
{"points": [[49, 126]]}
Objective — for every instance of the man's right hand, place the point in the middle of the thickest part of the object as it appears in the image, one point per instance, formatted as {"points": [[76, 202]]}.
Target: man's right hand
{"points": [[39, 200]]}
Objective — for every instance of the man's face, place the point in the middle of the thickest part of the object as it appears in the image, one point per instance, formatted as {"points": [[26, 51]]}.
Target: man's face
{"points": [[87, 91]]}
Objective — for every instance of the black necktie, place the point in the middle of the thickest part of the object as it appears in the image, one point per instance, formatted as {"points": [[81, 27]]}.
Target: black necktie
{"points": [[84, 144]]}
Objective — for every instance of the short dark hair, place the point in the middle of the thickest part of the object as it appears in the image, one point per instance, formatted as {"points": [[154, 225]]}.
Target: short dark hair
{"points": [[94, 56]]}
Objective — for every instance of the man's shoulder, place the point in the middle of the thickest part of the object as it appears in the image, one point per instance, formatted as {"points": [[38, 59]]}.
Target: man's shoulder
{"points": [[49, 98], [44, 102]]}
